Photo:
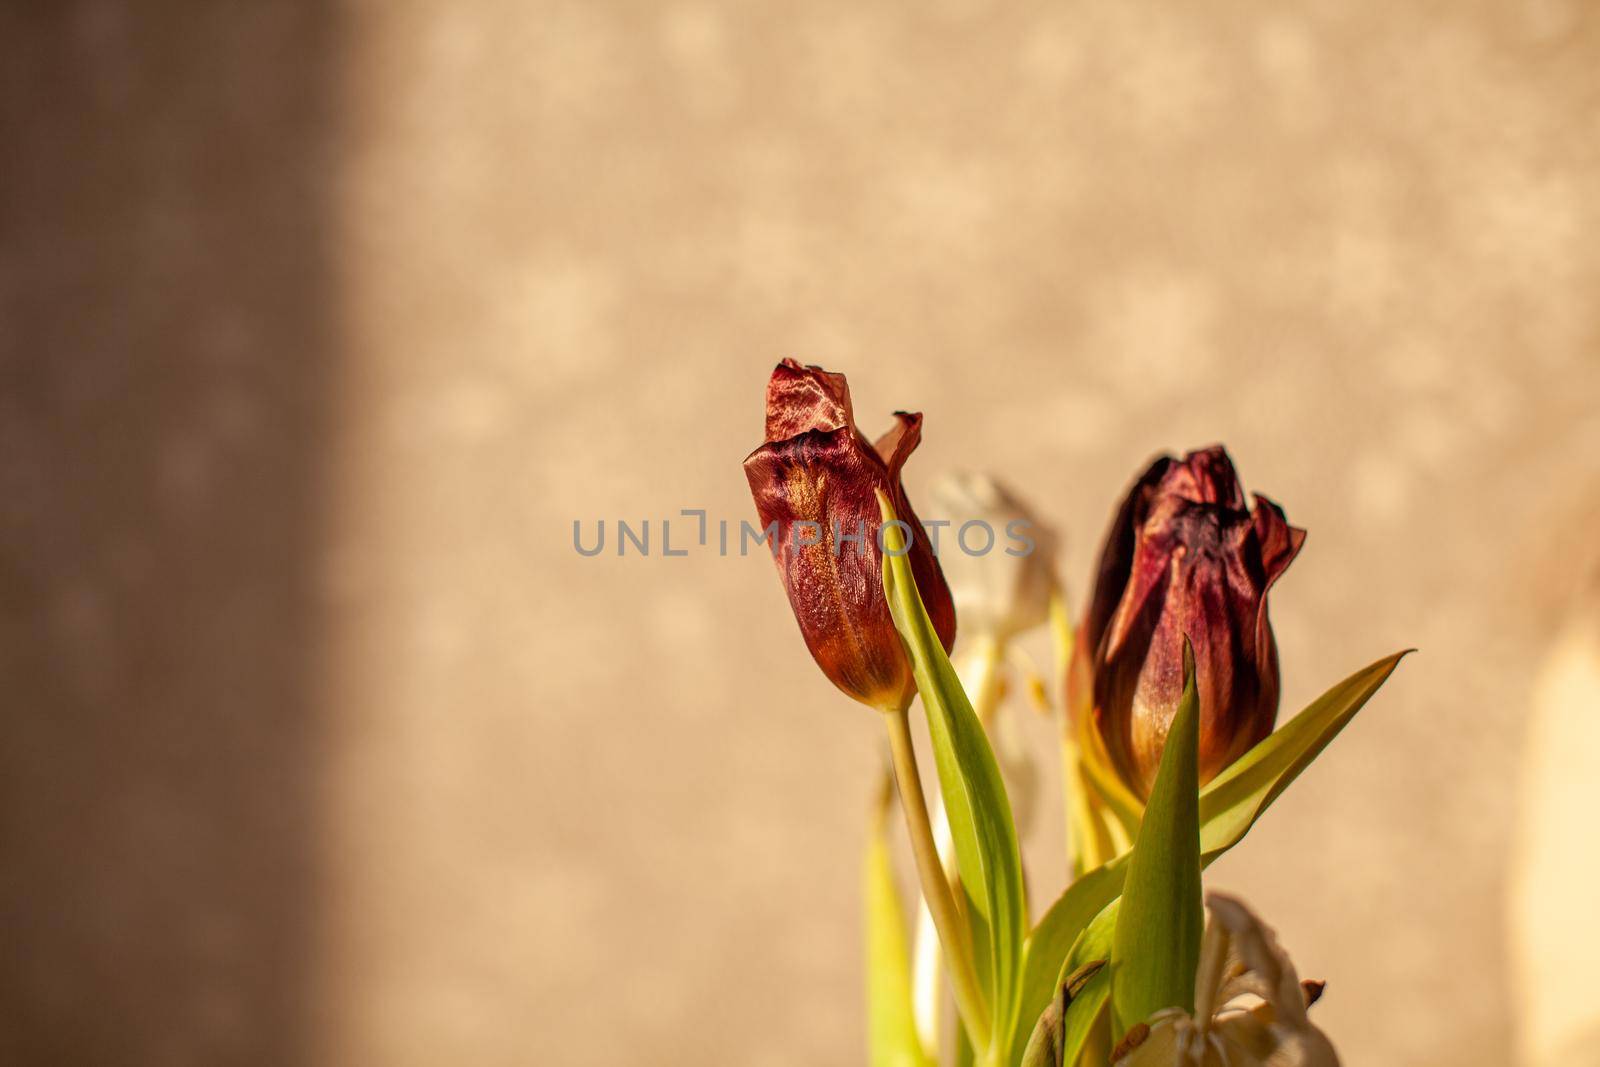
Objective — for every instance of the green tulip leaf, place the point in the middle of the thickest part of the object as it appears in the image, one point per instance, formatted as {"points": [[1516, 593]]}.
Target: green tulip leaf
{"points": [[1044, 1045], [1061, 927], [1047, 1047], [1070, 1023], [1087, 1020], [1229, 806], [891, 1022], [1232, 801], [1085, 1016], [987, 854], [1157, 941]]}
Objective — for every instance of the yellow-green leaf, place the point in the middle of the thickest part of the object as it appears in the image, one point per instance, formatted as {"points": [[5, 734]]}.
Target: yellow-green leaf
{"points": [[981, 826], [1060, 928], [1157, 941], [891, 1025], [1232, 801], [1075, 1019], [1047, 1047], [1229, 805], [1087, 1025]]}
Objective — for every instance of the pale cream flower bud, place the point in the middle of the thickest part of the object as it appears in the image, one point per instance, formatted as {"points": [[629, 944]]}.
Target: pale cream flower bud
{"points": [[997, 556]]}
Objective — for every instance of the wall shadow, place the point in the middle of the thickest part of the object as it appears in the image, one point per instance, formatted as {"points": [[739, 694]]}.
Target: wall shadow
{"points": [[165, 350]]}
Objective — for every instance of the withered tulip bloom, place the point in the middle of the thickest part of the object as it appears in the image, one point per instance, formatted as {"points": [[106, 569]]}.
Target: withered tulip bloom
{"points": [[1185, 555], [1250, 1007], [816, 478]]}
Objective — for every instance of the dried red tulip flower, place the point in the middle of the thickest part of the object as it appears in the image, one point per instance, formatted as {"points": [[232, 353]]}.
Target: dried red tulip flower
{"points": [[1185, 555], [814, 483]]}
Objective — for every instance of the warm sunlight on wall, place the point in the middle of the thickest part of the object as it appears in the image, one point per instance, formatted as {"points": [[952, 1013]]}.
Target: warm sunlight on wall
{"points": [[318, 334]]}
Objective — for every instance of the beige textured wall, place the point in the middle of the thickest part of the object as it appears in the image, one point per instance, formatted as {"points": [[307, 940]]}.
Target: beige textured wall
{"points": [[322, 325]]}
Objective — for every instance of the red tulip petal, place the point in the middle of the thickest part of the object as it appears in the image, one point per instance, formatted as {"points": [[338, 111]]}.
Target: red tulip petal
{"points": [[805, 398], [1116, 556], [897, 444]]}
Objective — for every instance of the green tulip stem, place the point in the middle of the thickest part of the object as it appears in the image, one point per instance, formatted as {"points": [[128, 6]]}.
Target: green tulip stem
{"points": [[935, 886]]}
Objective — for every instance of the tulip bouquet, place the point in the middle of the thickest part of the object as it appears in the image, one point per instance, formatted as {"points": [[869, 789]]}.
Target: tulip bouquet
{"points": [[1169, 696]]}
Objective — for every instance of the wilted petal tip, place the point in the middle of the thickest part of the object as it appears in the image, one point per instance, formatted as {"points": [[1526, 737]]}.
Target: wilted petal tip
{"points": [[801, 398]]}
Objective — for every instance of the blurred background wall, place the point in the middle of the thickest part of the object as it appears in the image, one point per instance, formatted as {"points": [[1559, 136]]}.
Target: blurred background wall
{"points": [[167, 355], [320, 324]]}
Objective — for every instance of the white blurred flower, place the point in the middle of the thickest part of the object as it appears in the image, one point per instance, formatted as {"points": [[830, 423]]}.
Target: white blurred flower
{"points": [[1555, 932], [998, 594], [1250, 1006]]}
